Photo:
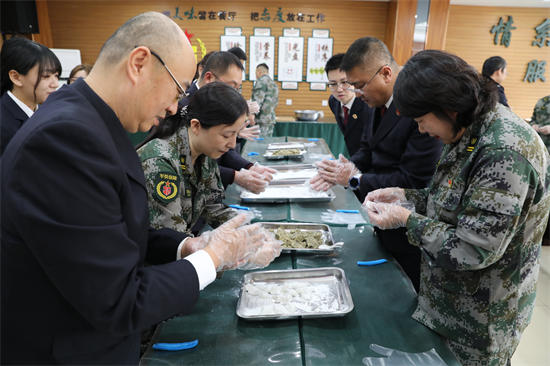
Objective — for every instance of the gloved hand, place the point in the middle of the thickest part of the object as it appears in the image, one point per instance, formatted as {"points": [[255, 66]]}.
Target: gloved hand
{"points": [[317, 183], [545, 130], [253, 107], [233, 245], [337, 171], [250, 133], [387, 195], [395, 357], [251, 180], [251, 119], [387, 215], [267, 172], [266, 254]]}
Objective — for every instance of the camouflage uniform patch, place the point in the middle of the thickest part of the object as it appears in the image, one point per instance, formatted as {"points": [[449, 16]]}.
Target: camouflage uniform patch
{"points": [[479, 226], [198, 195], [541, 117], [266, 94]]}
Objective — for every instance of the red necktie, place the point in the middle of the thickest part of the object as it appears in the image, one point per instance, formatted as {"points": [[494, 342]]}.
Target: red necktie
{"points": [[346, 115], [383, 110]]}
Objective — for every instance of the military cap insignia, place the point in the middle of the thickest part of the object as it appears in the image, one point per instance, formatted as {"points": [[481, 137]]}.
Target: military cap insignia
{"points": [[182, 162], [472, 143], [354, 116], [166, 187]]}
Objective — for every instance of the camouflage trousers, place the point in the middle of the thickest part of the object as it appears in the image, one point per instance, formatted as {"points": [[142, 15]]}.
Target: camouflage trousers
{"points": [[266, 129], [468, 356]]}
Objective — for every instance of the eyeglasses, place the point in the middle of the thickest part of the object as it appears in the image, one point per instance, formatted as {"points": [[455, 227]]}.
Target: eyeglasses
{"points": [[343, 84], [360, 91], [182, 93], [239, 89]]}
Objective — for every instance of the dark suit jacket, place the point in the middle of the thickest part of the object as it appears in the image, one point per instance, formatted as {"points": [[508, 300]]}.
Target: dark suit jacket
{"points": [[397, 155], [12, 118], [75, 238], [231, 160], [353, 131]]}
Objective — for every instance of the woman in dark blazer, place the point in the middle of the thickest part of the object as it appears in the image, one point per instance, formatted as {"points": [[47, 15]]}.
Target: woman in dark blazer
{"points": [[29, 73]]}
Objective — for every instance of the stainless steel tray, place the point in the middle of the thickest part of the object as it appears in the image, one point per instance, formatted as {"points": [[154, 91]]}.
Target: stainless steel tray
{"points": [[288, 182], [330, 295], [286, 145], [269, 154], [292, 167], [325, 231], [266, 197]]}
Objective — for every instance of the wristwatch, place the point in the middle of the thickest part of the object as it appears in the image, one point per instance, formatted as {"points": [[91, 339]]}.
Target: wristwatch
{"points": [[355, 181]]}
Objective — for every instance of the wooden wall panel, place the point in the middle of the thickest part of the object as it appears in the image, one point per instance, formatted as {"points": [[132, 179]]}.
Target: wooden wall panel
{"points": [[86, 25], [469, 36], [438, 19], [45, 35], [404, 30]]}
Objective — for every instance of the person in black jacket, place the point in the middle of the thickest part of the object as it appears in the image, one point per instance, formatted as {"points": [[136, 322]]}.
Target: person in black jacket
{"points": [[494, 68], [29, 73], [227, 68], [350, 112], [393, 152], [74, 230]]}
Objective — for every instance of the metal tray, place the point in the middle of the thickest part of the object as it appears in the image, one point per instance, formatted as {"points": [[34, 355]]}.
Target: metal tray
{"points": [[286, 145], [325, 231], [288, 182], [330, 295], [269, 154], [292, 167], [265, 197]]}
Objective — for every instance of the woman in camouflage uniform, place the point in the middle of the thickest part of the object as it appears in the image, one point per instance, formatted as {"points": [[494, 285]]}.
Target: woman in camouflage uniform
{"points": [[479, 224], [540, 121], [179, 161]]}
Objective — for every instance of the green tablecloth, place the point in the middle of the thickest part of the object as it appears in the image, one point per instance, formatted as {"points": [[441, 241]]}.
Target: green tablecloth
{"points": [[330, 132]]}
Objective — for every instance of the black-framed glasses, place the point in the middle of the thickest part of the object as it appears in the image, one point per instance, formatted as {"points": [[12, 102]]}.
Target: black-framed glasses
{"points": [[360, 91], [239, 89], [182, 93], [344, 84]]}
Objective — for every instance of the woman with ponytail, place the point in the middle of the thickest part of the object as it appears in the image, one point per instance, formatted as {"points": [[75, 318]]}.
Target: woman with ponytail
{"points": [[480, 222], [29, 74], [179, 160]]}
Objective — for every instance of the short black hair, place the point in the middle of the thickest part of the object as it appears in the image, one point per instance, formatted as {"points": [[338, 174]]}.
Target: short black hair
{"points": [[493, 64], [334, 62], [22, 54], [263, 65], [237, 51], [440, 82], [220, 62], [366, 52]]}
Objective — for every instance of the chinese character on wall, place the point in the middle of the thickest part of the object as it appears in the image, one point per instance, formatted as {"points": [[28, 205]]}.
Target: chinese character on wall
{"points": [[535, 71], [543, 32], [505, 29]]}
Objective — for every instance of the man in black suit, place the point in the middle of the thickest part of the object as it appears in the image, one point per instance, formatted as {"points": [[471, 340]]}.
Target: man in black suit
{"points": [[393, 152], [227, 68], [75, 233], [349, 111]]}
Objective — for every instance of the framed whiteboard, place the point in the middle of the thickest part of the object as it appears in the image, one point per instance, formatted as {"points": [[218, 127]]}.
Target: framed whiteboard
{"points": [[69, 58], [291, 59], [262, 51]]}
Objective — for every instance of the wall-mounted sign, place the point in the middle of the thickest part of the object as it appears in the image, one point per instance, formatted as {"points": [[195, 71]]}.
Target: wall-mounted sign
{"points": [[262, 51], [505, 29], [291, 59], [230, 41], [265, 15], [319, 50]]}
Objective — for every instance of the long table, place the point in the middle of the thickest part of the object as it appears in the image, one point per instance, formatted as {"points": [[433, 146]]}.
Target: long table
{"points": [[383, 297]]}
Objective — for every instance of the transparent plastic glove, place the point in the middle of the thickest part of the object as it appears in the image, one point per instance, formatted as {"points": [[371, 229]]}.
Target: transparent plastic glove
{"points": [[251, 119], [386, 215], [395, 357], [350, 218], [317, 183], [545, 130], [264, 255], [267, 172], [232, 243], [253, 107], [251, 180], [250, 133], [387, 195], [251, 213], [337, 171]]}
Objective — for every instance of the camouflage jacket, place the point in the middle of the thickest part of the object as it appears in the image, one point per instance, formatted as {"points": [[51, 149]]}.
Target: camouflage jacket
{"points": [[541, 117], [479, 226], [266, 93], [177, 195]]}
